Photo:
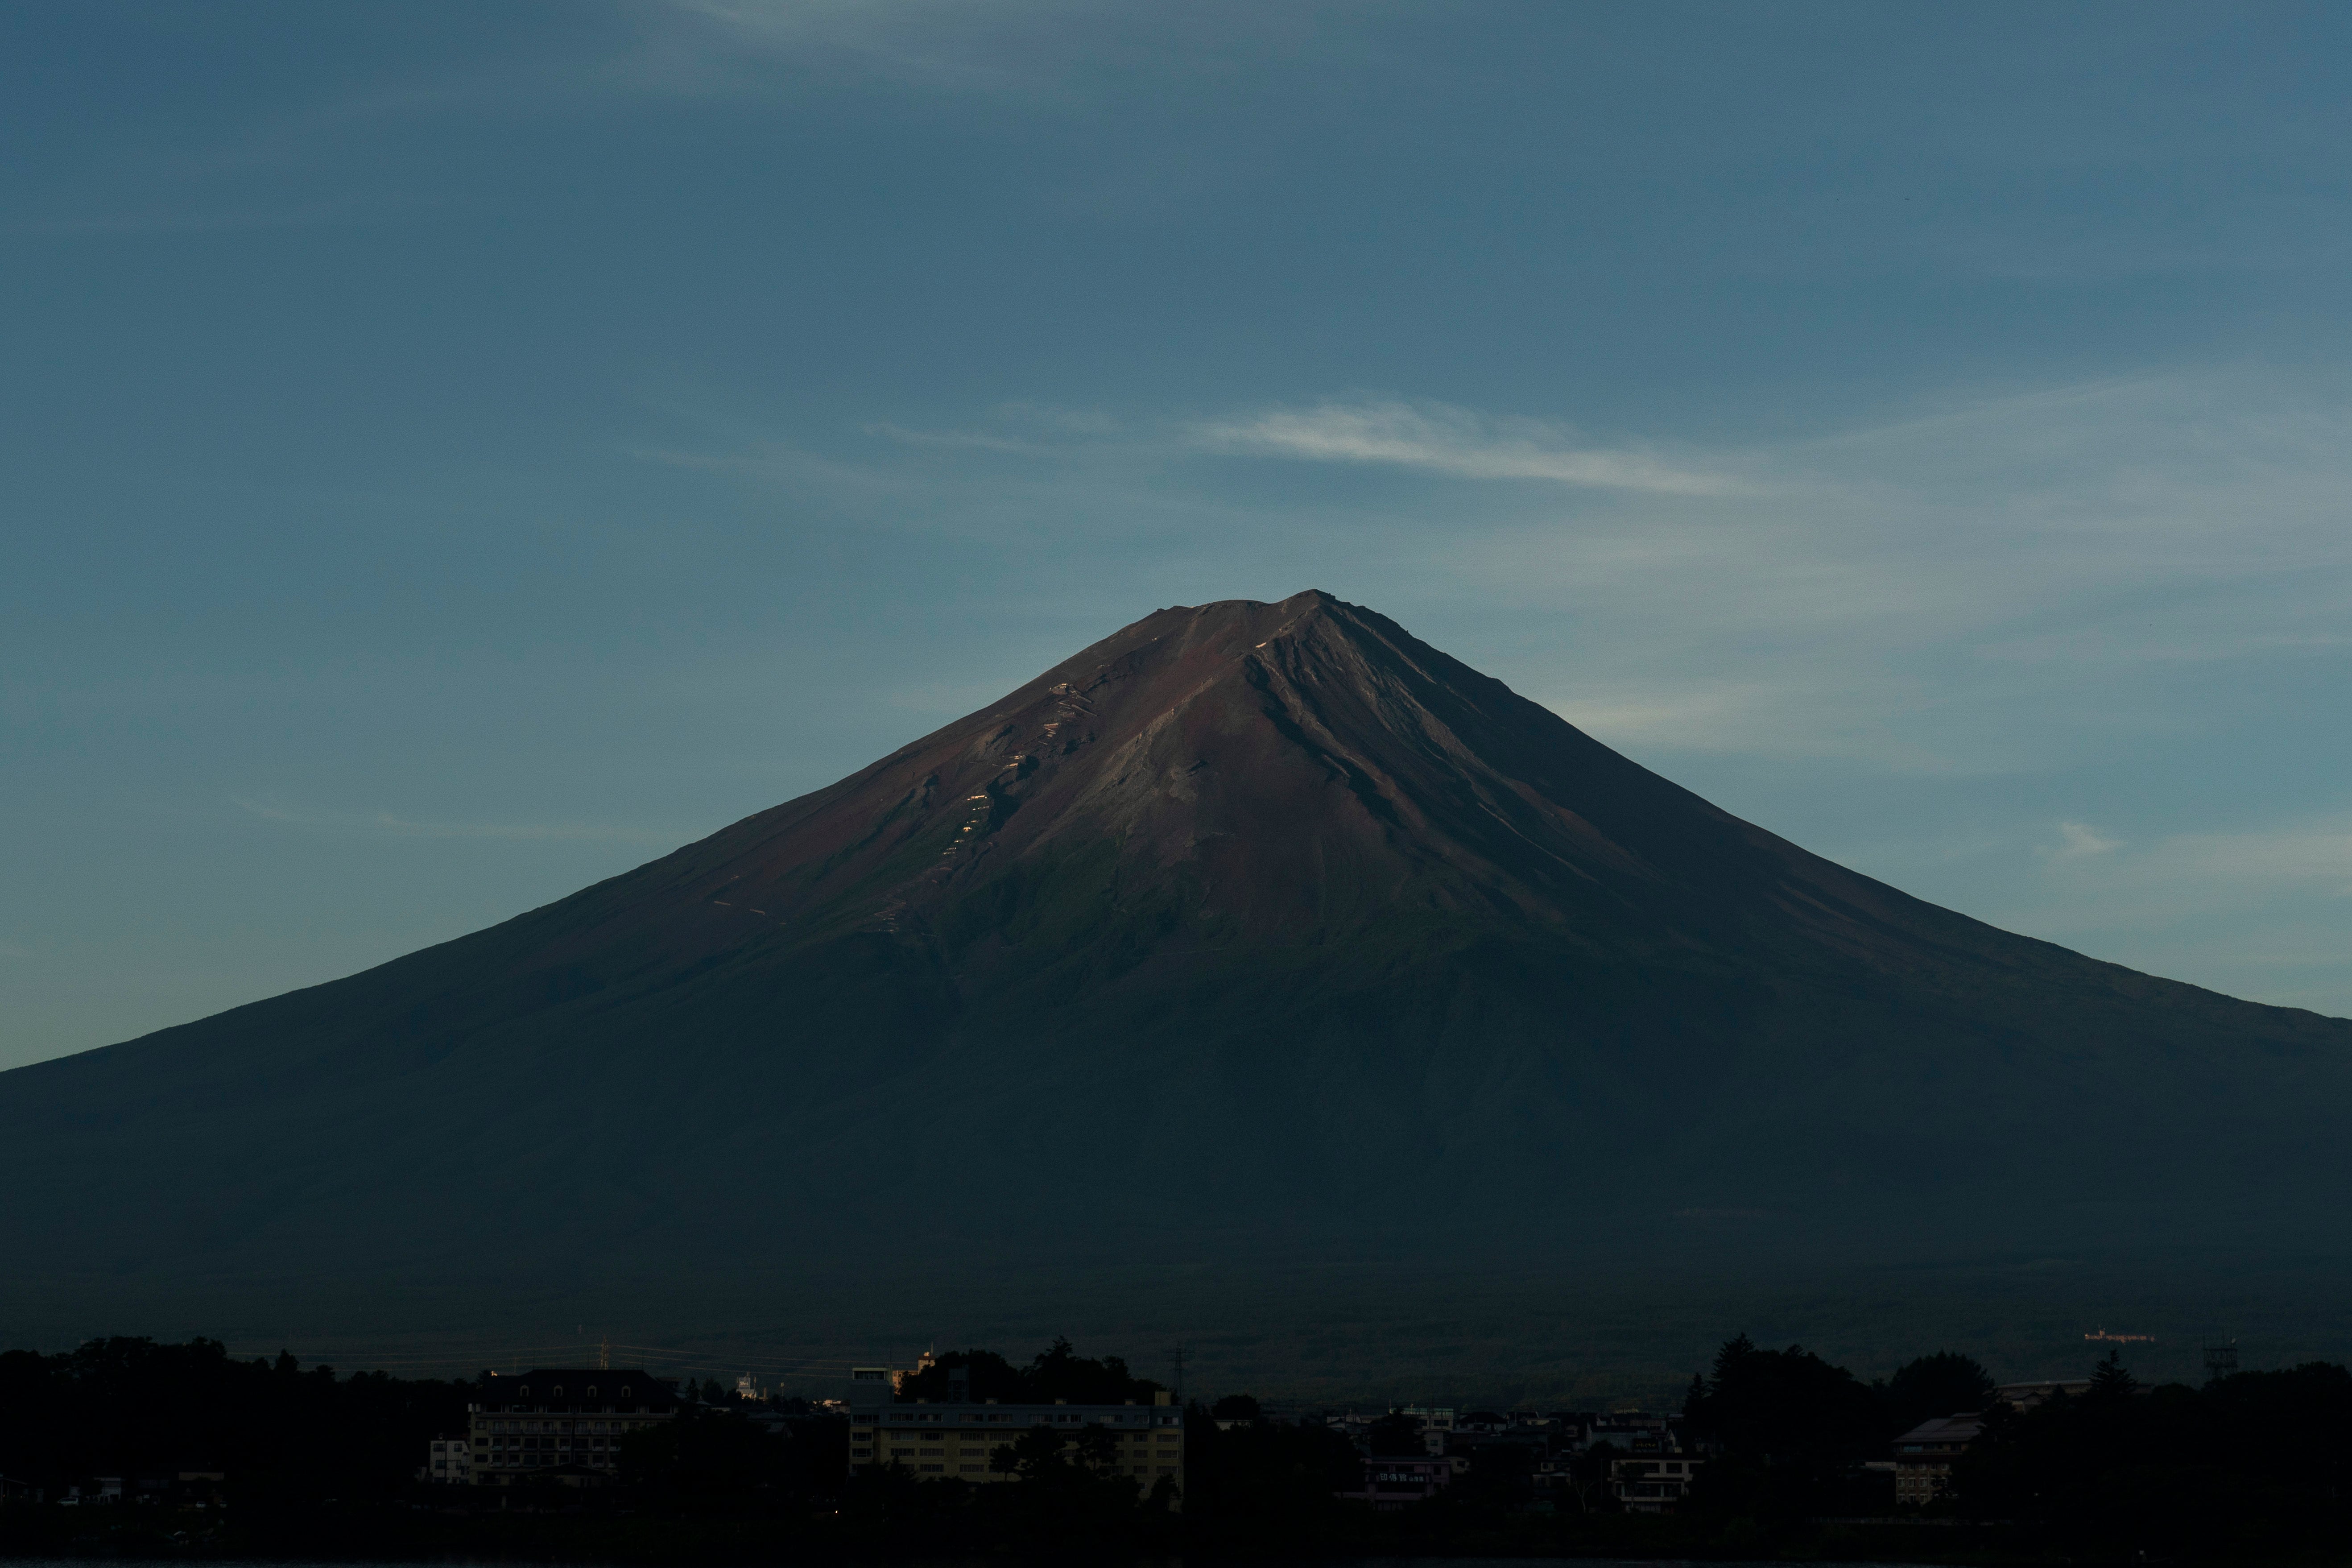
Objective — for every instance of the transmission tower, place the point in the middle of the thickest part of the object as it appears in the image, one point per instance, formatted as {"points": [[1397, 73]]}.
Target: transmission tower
{"points": [[2221, 1360], [1176, 1359]]}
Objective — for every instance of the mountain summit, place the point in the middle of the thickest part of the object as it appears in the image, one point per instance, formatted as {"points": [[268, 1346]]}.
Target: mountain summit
{"points": [[1252, 930]]}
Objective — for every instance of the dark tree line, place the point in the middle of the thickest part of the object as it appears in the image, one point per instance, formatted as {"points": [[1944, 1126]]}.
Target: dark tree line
{"points": [[1789, 1433], [1058, 1371], [713, 1459], [2256, 1465], [132, 1408]]}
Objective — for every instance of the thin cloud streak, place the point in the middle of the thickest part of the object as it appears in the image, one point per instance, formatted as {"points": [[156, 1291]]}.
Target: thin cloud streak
{"points": [[906, 41], [1440, 438], [1913, 592], [1031, 49], [2170, 520], [953, 439], [2317, 856], [387, 825], [2285, 881], [2080, 839]]}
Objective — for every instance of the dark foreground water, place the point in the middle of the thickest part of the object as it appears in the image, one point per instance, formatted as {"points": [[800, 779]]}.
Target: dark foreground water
{"points": [[1190, 1560]]}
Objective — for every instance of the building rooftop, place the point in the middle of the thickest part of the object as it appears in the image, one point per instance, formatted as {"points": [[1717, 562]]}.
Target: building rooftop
{"points": [[1944, 1435], [2026, 1396], [567, 1385]]}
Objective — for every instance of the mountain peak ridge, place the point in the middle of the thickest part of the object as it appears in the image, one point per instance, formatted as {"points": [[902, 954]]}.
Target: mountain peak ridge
{"points": [[1329, 928]]}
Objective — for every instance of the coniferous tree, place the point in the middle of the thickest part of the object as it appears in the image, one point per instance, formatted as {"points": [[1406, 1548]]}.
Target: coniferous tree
{"points": [[2111, 1380], [1945, 1383]]}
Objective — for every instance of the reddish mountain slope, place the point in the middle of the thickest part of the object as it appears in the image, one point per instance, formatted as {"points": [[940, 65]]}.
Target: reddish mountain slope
{"points": [[1250, 927]]}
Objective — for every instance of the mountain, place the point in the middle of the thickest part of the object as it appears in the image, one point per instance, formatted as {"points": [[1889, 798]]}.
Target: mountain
{"points": [[1254, 934]]}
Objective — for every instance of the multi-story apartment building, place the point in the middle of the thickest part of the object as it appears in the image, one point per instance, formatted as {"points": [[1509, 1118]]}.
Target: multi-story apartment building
{"points": [[1633, 1432], [1146, 1441], [450, 1462], [562, 1423], [1924, 1456], [1651, 1485], [1390, 1483]]}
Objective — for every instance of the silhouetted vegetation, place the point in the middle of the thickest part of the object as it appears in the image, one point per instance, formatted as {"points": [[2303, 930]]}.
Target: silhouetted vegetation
{"points": [[1397, 1435], [713, 1456], [1266, 1484], [1789, 1433], [1057, 1373], [1945, 1383], [282, 1436], [2255, 1465]]}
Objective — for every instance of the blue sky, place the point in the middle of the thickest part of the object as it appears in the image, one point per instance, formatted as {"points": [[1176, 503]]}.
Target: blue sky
{"points": [[456, 452]]}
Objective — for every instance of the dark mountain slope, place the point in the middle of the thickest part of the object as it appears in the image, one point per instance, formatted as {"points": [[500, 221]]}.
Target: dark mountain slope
{"points": [[1252, 928]]}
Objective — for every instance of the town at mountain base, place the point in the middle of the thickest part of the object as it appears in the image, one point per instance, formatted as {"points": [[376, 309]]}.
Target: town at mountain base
{"points": [[1252, 937], [126, 1448]]}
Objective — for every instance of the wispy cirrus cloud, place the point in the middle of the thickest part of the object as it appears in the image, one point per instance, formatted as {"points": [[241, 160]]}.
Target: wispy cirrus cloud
{"points": [[953, 440], [924, 41], [388, 825], [2253, 909], [2078, 840], [1440, 438], [1029, 47], [1925, 592], [2312, 854]]}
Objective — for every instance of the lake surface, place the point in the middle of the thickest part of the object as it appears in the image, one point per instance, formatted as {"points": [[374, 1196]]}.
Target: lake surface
{"points": [[1060, 1562]]}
